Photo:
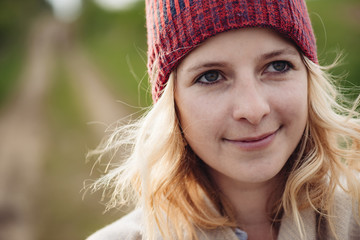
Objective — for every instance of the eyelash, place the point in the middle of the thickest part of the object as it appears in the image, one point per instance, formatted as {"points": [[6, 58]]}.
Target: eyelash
{"points": [[220, 75], [288, 67]]}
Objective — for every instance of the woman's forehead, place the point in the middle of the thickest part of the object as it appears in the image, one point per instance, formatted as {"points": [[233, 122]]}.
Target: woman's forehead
{"points": [[244, 43]]}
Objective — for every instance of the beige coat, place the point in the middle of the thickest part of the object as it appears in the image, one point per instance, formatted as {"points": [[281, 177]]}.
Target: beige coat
{"points": [[130, 226]]}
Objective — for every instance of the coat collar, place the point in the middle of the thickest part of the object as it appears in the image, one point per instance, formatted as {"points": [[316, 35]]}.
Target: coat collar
{"points": [[289, 230]]}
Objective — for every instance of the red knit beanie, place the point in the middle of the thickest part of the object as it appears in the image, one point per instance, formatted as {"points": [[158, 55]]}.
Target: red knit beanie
{"points": [[175, 27]]}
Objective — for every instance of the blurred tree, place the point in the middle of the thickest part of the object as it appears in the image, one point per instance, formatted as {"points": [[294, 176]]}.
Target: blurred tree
{"points": [[15, 19]]}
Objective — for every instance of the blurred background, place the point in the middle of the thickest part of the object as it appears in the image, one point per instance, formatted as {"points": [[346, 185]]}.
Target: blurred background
{"points": [[68, 69]]}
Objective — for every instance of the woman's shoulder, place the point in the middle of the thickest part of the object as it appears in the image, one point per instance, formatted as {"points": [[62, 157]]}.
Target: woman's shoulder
{"points": [[129, 227], [346, 215]]}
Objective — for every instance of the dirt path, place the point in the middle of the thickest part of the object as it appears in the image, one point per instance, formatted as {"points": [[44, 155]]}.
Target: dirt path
{"points": [[24, 128], [23, 131]]}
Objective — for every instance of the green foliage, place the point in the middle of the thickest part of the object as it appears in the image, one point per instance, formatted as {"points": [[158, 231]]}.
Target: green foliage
{"points": [[117, 43], [64, 103], [337, 29], [15, 18], [11, 61]]}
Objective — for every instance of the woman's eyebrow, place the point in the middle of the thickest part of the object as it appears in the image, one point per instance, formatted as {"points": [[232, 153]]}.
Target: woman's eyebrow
{"points": [[206, 65], [276, 53]]}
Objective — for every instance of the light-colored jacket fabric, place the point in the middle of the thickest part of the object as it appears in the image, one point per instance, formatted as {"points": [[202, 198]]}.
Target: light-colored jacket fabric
{"points": [[131, 226]]}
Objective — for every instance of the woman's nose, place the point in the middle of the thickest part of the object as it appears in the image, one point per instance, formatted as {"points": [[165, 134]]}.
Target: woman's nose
{"points": [[250, 102]]}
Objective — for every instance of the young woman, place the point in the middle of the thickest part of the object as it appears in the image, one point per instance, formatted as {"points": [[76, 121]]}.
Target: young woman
{"points": [[246, 139]]}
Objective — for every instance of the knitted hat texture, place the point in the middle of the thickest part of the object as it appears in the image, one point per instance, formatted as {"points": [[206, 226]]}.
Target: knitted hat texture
{"points": [[175, 27]]}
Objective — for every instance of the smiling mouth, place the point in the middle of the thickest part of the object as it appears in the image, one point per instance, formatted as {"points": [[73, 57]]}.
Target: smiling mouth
{"points": [[255, 139], [254, 143]]}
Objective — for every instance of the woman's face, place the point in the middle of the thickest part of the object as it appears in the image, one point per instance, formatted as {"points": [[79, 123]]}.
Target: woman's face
{"points": [[242, 103]]}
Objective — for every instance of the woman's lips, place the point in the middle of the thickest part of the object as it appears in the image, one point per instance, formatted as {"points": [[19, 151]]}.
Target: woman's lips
{"points": [[254, 143]]}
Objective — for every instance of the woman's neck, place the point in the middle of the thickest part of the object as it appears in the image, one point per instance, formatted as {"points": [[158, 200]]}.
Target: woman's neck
{"points": [[252, 213], [251, 204]]}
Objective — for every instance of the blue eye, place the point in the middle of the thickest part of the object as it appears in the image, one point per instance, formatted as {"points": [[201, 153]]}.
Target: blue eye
{"points": [[209, 77], [278, 66]]}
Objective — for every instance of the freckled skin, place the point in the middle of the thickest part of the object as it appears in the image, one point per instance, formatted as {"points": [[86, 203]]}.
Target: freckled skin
{"points": [[245, 124]]}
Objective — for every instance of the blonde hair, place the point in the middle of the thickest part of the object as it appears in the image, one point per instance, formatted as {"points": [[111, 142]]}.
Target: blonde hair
{"points": [[164, 177]]}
